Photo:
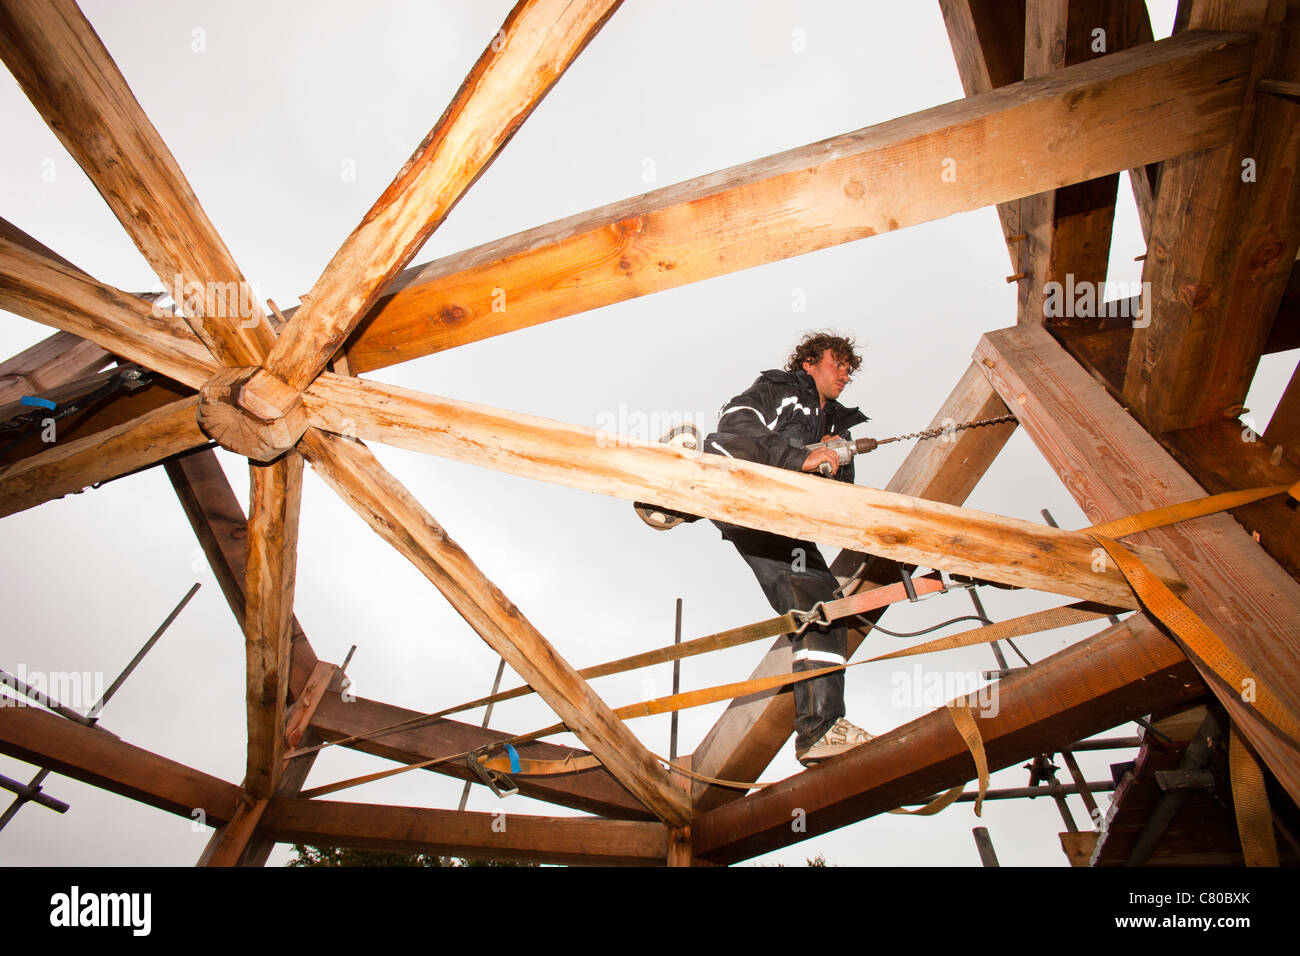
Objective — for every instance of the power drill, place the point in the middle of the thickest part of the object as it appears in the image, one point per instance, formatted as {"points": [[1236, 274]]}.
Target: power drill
{"points": [[845, 448]]}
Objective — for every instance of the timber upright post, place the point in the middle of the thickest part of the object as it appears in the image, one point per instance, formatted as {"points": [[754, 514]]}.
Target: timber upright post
{"points": [[679, 838]]}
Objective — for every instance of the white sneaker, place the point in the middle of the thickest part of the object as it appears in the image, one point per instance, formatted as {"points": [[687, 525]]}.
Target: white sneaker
{"points": [[841, 738]]}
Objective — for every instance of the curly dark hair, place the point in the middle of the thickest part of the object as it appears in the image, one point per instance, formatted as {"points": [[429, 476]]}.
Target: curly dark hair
{"points": [[815, 343]]}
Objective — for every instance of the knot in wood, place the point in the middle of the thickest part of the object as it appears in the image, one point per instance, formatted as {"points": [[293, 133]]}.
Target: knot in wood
{"points": [[629, 227], [1266, 253], [1196, 294], [453, 314]]}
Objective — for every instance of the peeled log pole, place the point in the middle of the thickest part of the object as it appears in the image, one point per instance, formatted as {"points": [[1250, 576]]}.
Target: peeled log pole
{"points": [[61, 358], [56, 57], [274, 501], [48, 292], [530, 52], [356, 475], [773, 499]]}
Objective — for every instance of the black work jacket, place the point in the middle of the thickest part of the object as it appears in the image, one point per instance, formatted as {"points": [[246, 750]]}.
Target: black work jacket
{"points": [[773, 420]]}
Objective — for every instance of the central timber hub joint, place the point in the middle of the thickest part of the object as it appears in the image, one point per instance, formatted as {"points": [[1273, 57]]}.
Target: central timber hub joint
{"points": [[251, 412]]}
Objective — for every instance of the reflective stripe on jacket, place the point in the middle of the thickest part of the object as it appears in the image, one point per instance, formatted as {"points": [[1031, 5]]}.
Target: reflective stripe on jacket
{"points": [[773, 421]]}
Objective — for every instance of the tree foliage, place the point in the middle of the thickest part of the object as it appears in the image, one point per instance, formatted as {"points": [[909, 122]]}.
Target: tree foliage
{"points": [[308, 855]]}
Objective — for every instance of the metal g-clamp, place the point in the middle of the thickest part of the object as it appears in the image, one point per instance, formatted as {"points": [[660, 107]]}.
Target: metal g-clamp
{"points": [[500, 783]]}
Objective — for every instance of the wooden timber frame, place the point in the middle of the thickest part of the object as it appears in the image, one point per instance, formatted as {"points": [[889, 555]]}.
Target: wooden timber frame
{"points": [[1105, 405]]}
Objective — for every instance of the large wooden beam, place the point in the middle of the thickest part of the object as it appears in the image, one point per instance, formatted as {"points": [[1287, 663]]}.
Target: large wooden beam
{"points": [[219, 523], [1223, 242], [69, 392], [566, 840], [992, 547], [356, 475], [103, 760], [1113, 468], [228, 843], [59, 61], [69, 467], [56, 360], [239, 844], [527, 56], [1228, 456], [1136, 107], [993, 47], [92, 417], [274, 501], [61, 358], [751, 731], [988, 44], [259, 845], [1127, 671], [1104, 347], [12, 233], [43, 290], [1225, 455], [1068, 230], [592, 790]]}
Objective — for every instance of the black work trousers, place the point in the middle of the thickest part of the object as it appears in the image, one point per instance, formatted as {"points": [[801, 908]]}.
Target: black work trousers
{"points": [[794, 576]]}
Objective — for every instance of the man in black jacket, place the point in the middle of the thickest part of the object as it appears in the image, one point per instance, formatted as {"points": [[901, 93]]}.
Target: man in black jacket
{"points": [[772, 422]]}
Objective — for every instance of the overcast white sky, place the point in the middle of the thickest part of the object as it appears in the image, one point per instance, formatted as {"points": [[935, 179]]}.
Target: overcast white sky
{"points": [[266, 105]]}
